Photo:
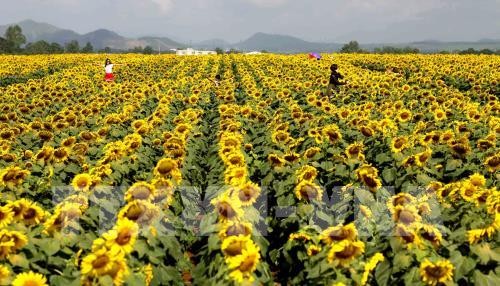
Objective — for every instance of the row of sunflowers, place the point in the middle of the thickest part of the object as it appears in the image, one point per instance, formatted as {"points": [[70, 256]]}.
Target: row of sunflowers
{"points": [[167, 177]]}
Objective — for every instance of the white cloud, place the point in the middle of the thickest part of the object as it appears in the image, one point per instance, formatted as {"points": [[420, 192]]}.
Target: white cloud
{"points": [[164, 5]]}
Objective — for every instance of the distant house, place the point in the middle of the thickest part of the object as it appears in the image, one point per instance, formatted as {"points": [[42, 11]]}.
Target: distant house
{"points": [[193, 52], [254, 53]]}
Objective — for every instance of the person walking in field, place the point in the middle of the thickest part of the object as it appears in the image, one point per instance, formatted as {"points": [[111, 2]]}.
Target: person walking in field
{"points": [[335, 82]]}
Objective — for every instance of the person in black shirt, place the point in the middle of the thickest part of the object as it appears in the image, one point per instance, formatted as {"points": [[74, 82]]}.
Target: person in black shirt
{"points": [[335, 82]]}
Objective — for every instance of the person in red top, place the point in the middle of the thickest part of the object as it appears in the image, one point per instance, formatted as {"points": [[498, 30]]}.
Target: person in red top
{"points": [[108, 68]]}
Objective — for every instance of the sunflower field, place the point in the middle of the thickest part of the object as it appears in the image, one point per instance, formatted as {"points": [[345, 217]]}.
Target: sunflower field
{"points": [[167, 177]]}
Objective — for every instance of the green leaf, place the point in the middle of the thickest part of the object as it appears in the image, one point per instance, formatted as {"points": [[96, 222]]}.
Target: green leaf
{"points": [[135, 279], [383, 273], [389, 175], [49, 246], [485, 253], [402, 261], [486, 280]]}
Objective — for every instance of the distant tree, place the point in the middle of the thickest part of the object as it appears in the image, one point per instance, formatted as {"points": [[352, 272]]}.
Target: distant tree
{"points": [[55, 48], [14, 34], [39, 47], [264, 51], [136, 50], [444, 52], [234, 51], [486, 52], [106, 50], [219, 51], [395, 50], [88, 48], [6, 46], [351, 47], [148, 50], [72, 47]]}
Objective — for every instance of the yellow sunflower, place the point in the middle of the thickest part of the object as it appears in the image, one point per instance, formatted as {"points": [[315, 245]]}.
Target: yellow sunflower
{"points": [[6, 216], [369, 176], [235, 245], [123, 235], [227, 207], [140, 191], [234, 228], [101, 261], [4, 274], [242, 266], [30, 279], [344, 252], [82, 182], [247, 193], [306, 173], [168, 168], [308, 191], [339, 233], [436, 273]]}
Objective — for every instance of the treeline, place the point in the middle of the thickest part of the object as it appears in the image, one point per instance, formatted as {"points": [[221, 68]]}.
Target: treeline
{"points": [[354, 47], [13, 41]]}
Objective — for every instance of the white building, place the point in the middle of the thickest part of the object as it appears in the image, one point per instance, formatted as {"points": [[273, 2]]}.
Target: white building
{"points": [[254, 53], [193, 52]]}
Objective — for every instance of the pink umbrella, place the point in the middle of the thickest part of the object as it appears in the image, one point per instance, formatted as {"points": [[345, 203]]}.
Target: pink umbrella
{"points": [[315, 56]]}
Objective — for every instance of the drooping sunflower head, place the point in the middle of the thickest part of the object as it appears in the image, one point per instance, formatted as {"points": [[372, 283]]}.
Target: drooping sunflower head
{"points": [[140, 191], [308, 191], [13, 176], [311, 152], [430, 234], [355, 151], [406, 214], [339, 233], [368, 175], [139, 211], [332, 133], [168, 168], [398, 144], [439, 272], [400, 199], [235, 228], [33, 214], [235, 245], [421, 158], [306, 173], [227, 207], [492, 163]]}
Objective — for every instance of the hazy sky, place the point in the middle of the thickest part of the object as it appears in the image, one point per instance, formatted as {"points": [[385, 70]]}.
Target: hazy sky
{"points": [[235, 20]]}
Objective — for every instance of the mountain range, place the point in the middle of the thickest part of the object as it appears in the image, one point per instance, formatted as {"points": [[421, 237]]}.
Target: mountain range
{"points": [[35, 31]]}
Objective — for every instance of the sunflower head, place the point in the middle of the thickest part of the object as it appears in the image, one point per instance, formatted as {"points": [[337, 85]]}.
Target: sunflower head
{"points": [[29, 279], [344, 252], [439, 272], [140, 191], [227, 207], [339, 233], [82, 182], [308, 191]]}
